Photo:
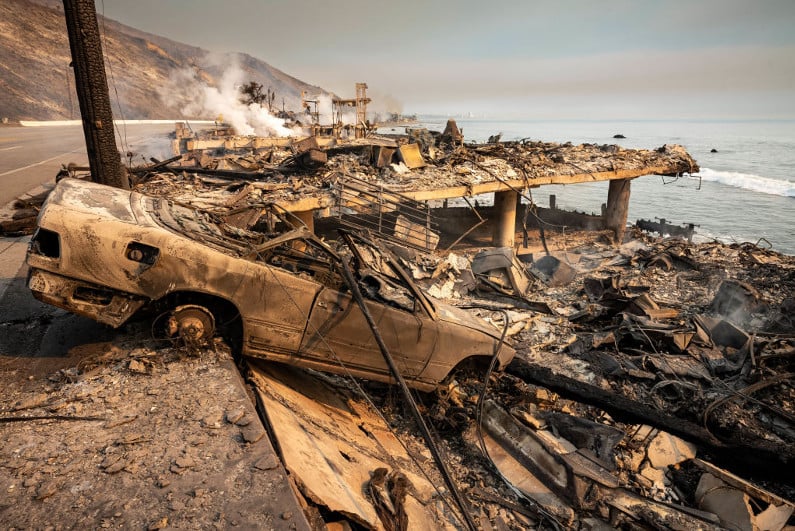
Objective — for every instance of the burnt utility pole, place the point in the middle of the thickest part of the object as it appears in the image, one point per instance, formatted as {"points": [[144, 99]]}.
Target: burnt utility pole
{"points": [[92, 93]]}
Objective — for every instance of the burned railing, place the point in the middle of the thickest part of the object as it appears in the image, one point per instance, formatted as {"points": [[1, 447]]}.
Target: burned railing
{"points": [[363, 205]]}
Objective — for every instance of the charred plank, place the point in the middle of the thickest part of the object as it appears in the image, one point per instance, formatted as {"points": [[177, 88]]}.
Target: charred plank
{"points": [[757, 458]]}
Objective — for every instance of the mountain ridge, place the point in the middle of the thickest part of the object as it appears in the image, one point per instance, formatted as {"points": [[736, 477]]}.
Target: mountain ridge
{"points": [[38, 83]]}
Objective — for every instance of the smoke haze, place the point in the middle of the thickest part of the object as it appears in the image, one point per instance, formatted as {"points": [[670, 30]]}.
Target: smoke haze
{"points": [[192, 93]]}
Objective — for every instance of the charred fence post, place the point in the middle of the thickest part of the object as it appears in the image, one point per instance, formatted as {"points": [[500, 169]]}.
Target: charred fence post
{"points": [[92, 93]]}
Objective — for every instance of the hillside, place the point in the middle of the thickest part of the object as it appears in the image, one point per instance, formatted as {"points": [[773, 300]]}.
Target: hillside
{"points": [[37, 83]]}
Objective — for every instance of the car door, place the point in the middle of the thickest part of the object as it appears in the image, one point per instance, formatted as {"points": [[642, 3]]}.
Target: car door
{"points": [[338, 331], [277, 305], [410, 338]]}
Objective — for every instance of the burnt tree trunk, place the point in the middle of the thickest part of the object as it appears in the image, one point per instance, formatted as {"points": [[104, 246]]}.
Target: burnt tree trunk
{"points": [[92, 93]]}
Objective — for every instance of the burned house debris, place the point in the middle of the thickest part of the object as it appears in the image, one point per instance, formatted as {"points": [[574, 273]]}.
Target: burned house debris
{"points": [[585, 381], [637, 382]]}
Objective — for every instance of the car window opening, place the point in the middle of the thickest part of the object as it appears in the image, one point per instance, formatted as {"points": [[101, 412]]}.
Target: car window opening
{"points": [[308, 260], [380, 288]]}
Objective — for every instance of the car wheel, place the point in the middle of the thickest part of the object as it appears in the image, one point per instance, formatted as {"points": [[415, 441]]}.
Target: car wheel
{"points": [[195, 325]]}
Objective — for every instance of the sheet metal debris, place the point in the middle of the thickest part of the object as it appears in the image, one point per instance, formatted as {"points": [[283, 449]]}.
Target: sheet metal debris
{"points": [[335, 448]]}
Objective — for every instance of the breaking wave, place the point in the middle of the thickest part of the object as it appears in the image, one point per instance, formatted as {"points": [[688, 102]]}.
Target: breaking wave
{"points": [[748, 181]]}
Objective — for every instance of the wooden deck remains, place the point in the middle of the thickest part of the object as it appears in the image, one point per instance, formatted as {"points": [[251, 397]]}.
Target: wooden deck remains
{"points": [[302, 176]]}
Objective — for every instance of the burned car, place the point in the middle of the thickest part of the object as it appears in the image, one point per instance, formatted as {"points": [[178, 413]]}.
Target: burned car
{"points": [[275, 290]]}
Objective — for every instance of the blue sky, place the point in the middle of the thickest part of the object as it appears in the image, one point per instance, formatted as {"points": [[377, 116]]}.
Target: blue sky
{"points": [[614, 59]]}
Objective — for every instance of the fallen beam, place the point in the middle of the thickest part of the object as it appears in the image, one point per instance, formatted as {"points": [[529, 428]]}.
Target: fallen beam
{"points": [[763, 458]]}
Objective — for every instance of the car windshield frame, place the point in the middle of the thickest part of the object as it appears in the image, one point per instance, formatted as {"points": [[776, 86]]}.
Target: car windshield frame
{"points": [[208, 228], [402, 277]]}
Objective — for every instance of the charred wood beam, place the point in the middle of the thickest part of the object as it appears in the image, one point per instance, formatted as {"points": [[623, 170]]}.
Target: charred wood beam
{"points": [[231, 175], [156, 166], [92, 93], [755, 458], [620, 407]]}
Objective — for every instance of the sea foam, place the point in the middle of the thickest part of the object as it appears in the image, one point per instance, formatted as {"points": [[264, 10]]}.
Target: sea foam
{"points": [[748, 181]]}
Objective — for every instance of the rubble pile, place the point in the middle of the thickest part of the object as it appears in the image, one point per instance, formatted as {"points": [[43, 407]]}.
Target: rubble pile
{"points": [[654, 337], [534, 450], [410, 167], [652, 386], [677, 325], [299, 169]]}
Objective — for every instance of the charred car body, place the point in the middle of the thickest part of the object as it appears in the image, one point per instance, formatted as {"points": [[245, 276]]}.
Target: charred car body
{"points": [[107, 254]]}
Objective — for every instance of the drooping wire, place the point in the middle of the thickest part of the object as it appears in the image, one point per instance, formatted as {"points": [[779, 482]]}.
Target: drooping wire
{"points": [[419, 420], [366, 397], [479, 414], [122, 132]]}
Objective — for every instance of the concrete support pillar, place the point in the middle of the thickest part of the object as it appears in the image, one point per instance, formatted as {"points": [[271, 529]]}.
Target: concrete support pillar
{"points": [[505, 222], [617, 208], [308, 217]]}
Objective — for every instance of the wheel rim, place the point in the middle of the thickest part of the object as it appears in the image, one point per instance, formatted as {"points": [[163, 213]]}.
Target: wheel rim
{"points": [[193, 324]]}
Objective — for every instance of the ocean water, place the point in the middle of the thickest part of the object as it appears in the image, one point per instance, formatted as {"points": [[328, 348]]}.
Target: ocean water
{"points": [[745, 192]]}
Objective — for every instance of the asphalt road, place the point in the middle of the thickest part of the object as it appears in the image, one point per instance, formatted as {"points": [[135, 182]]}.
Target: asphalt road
{"points": [[31, 156]]}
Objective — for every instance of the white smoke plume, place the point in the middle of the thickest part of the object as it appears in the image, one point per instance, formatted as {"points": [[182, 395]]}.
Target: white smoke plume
{"points": [[384, 103], [194, 96], [325, 110]]}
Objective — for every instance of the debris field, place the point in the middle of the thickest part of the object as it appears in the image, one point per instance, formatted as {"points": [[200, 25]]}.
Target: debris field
{"points": [[651, 386]]}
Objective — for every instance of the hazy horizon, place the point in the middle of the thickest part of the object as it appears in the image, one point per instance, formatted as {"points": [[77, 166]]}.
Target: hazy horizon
{"points": [[614, 60]]}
